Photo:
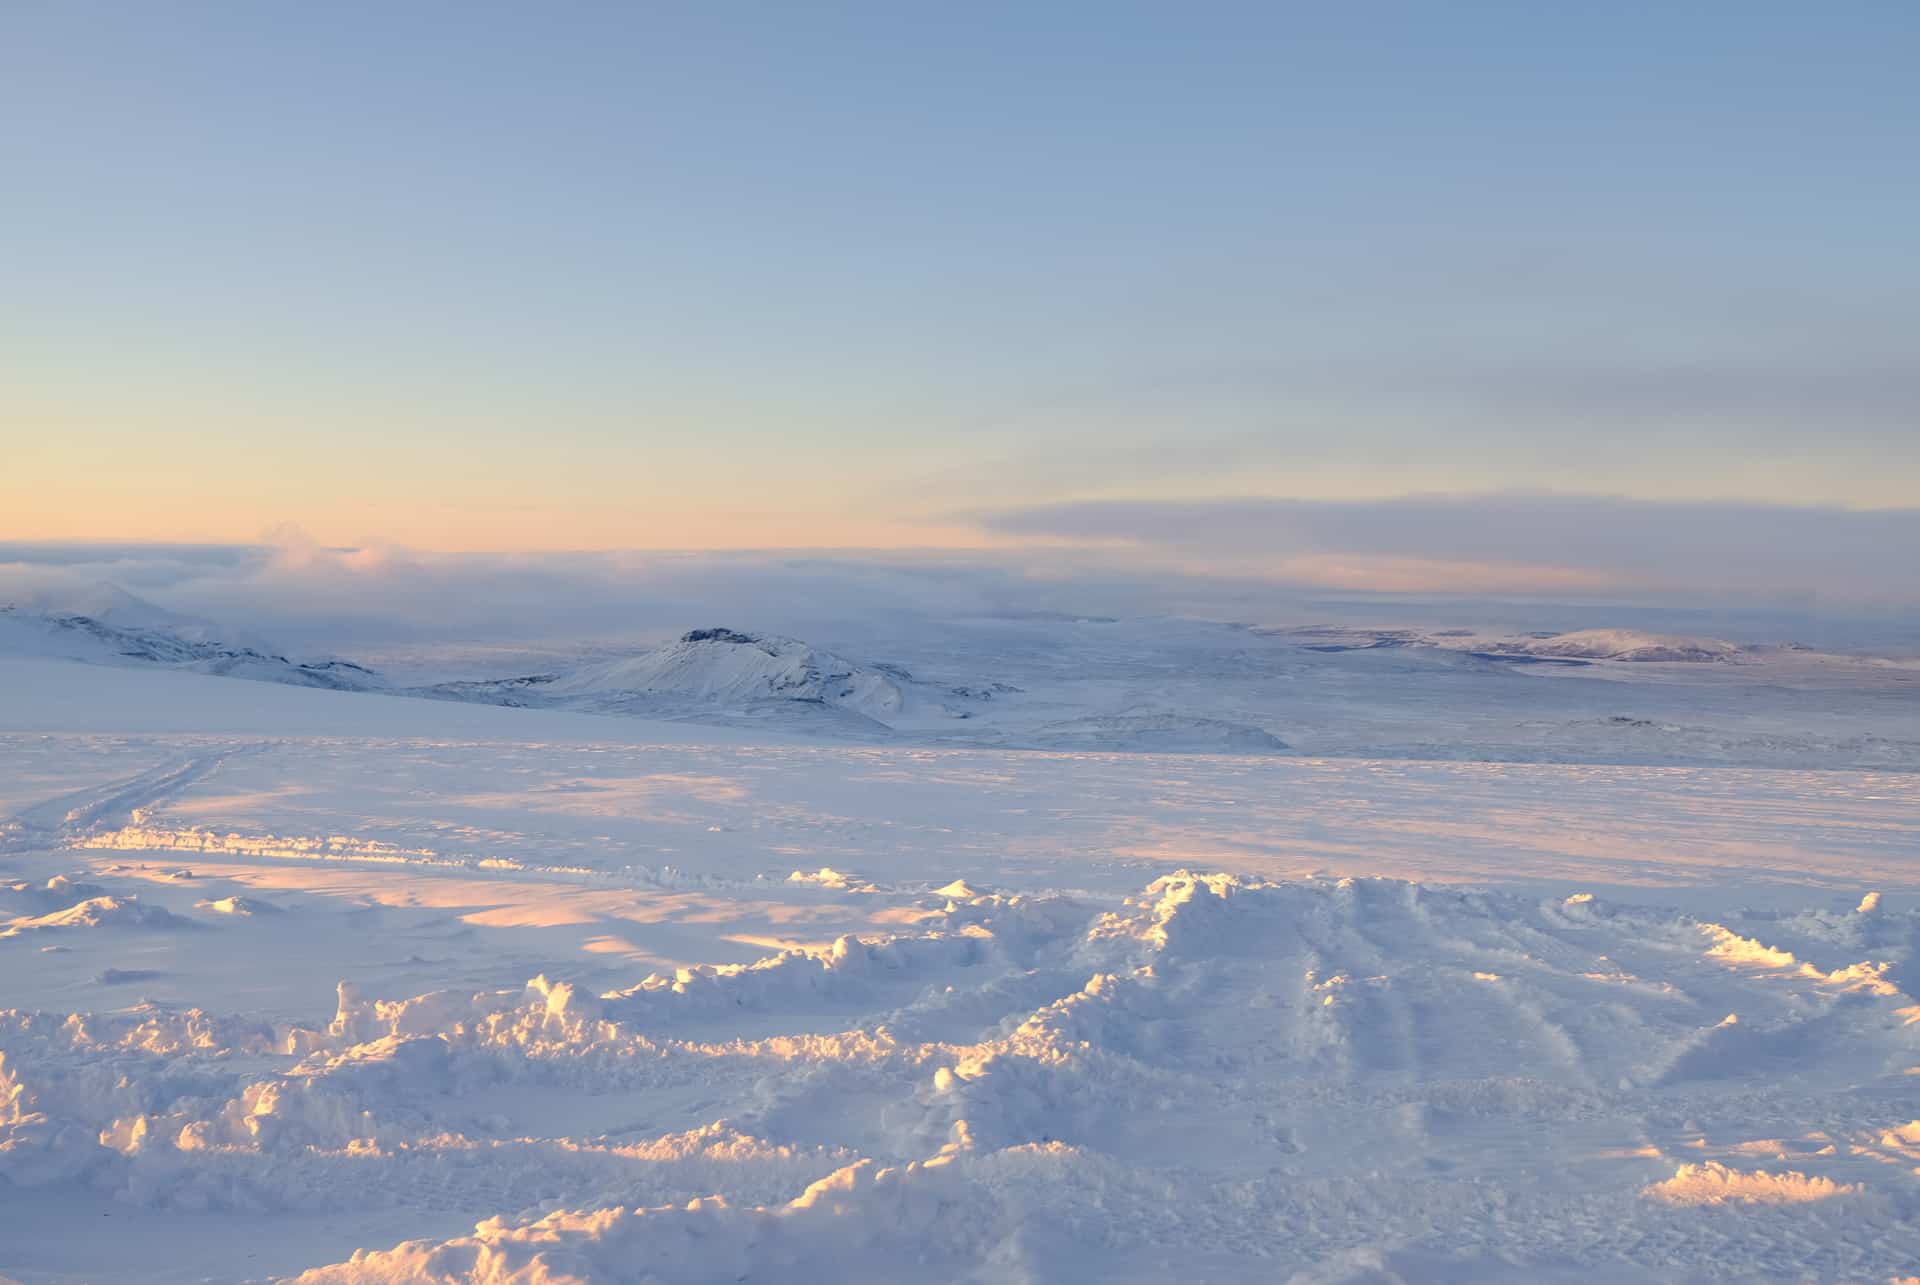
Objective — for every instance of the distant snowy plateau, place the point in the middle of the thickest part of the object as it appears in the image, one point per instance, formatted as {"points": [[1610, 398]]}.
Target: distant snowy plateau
{"points": [[991, 950]]}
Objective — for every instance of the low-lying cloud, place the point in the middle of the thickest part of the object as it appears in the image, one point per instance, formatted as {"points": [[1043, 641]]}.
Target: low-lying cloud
{"points": [[1512, 542], [304, 595], [1538, 561]]}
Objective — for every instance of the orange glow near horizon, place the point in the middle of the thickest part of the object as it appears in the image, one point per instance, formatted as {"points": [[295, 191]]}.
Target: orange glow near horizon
{"points": [[453, 528]]}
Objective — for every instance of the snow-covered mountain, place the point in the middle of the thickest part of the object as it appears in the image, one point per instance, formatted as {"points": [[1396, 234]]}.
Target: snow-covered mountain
{"points": [[105, 625], [726, 667], [721, 675], [720, 670], [99, 601]]}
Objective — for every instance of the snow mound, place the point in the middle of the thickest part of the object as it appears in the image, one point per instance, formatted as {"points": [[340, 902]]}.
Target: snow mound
{"points": [[828, 877], [96, 912], [57, 893], [241, 906]]}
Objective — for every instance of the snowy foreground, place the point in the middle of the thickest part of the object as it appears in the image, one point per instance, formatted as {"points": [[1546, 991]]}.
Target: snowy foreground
{"points": [[371, 989]]}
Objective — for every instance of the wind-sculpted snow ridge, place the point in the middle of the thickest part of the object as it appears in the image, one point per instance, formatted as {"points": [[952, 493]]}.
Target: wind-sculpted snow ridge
{"points": [[143, 836], [1713, 1183], [943, 1219], [1221, 1077], [183, 1110]]}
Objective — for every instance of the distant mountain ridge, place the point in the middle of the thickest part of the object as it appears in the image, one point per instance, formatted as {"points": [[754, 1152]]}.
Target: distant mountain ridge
{"points": [[1178, 687], [129, 631], [1576, 647], [1630, 644]]}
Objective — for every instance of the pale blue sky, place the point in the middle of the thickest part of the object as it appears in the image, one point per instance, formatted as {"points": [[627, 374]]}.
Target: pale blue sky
{"points": [[477, 275]]}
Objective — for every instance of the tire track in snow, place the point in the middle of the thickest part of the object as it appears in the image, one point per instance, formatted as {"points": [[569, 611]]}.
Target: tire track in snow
{"points": [[63, 820]]}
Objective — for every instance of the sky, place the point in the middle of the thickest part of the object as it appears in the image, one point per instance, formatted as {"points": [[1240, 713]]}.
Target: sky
{"points": [[463, 277]]}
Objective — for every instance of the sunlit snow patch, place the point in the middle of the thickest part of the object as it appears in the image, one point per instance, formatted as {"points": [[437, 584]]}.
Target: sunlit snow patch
{"points": [[1713, 1183]]}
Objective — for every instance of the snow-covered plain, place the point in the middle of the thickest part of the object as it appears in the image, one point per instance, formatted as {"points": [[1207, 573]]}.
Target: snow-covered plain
{"points": [[339, 986]]}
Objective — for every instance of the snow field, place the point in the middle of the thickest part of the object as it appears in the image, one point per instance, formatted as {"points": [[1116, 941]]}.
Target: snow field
{"points": [[569, 1007]]}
